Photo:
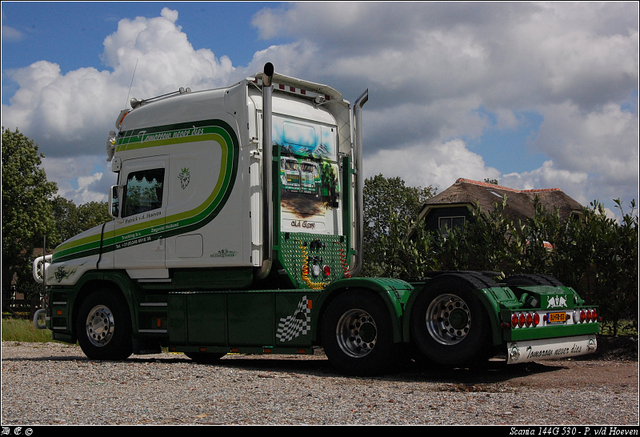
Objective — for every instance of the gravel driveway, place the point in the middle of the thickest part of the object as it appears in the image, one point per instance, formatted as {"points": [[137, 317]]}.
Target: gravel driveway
{"points": [[55, 383]]}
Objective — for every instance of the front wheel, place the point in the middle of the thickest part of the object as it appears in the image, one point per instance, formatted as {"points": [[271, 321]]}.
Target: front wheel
{"points": [[103, 327], [449, 325], [357, 334]]}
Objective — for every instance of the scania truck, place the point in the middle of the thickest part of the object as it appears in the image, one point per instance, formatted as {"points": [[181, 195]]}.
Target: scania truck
{"points": [[237, 228]]}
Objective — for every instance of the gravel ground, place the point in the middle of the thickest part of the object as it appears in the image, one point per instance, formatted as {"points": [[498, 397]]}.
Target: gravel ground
{"points": [[55, 384]]}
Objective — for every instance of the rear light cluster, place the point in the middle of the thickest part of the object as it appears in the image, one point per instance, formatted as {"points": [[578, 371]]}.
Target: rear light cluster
{"points": [[520, 320], [532, 319], [585, 316], [317, 96], [301, 91], [315, 270]]}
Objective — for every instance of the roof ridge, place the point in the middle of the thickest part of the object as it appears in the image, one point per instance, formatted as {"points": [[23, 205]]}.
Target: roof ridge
{"points": [[501, 187], [541, 190]]}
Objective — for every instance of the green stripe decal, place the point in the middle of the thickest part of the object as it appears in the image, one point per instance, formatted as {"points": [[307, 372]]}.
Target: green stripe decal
{"points": [[210, 130]]}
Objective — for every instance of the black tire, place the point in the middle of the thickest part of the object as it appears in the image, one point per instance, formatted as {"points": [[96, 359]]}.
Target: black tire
{"points": [[449, 325], [103, 327], [357, 334]]}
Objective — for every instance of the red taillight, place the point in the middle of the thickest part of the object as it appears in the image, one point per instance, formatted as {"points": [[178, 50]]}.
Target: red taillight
{"points": [[588, 316], [326, 271], [529, 319], [525, 319]]}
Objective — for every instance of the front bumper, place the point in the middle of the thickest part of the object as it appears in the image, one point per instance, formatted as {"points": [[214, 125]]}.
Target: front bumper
{"points": [[550, 348]]}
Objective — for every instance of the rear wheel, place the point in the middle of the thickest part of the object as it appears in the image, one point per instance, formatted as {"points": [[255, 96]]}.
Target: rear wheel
{"points": [[103, 327], [449, 325], [357, 334]]}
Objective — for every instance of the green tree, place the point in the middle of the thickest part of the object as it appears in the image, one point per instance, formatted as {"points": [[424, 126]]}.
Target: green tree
{"points": [[596, 255], [65, 214], [92, 214], [26, 209], [599, 257], [71, 220], [388, 201]]}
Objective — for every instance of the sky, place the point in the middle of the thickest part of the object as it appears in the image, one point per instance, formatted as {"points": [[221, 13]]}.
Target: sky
{"points": [[535, 95]]}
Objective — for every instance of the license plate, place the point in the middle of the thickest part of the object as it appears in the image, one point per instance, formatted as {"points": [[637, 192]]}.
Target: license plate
{"points": [[557, 317]]}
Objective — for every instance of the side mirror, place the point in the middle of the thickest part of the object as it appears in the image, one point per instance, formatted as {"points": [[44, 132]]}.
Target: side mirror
{"points": [[114, 202]]}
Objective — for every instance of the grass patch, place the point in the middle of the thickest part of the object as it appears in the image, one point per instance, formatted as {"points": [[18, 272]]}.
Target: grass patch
{"points": [[23, 330]]}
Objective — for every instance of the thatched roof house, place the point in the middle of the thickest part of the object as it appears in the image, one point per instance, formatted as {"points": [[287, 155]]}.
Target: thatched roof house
{"points": [[453, 206]]}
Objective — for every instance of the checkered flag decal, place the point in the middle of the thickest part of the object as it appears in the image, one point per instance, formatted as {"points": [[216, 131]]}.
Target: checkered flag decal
{"points": [[295, 325]]}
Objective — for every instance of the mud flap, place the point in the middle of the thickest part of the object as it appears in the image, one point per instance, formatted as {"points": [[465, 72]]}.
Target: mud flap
{"points": [[550, 348]]}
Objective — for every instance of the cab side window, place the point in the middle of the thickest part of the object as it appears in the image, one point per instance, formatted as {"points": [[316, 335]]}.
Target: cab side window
{"points": [[143, 191]]}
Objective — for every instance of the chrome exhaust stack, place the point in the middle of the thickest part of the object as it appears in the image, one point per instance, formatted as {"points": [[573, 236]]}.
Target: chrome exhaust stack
{"points": [[267, 173], [356, 266]]}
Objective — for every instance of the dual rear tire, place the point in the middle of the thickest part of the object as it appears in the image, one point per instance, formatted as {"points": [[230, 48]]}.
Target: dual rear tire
{"points": [[357, 334], [449, 325]]}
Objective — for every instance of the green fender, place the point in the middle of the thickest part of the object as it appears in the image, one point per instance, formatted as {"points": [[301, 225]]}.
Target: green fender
{"points": [[117, 278], [394, 292], [493, 298]]}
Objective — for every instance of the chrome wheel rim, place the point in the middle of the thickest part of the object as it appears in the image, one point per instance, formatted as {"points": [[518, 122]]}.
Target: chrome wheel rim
{"points": [[448, 319], [356, 333], [100, 326]]}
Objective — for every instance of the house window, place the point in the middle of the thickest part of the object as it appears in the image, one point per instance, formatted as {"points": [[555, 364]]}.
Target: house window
{"points": [[446, 223]]}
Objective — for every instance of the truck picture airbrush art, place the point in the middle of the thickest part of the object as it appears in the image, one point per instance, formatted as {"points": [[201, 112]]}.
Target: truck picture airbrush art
{"points": [[237, 228]]}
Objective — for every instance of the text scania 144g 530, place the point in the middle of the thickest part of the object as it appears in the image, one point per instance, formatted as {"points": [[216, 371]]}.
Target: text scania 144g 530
{"points": [[237, 228]]}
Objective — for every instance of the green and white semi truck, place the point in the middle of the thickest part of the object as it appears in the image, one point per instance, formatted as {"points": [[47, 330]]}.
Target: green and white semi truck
{"points": [[211, 251]]}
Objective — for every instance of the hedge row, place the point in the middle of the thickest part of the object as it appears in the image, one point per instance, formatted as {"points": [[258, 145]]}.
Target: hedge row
{"points": [[596, 255]]}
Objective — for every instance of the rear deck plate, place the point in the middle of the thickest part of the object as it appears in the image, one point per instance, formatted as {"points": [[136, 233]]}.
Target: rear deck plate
{"points": [[550, 348]]}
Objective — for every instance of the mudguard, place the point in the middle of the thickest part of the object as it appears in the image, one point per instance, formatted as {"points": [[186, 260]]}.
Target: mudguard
{"points": [[394, 292]]}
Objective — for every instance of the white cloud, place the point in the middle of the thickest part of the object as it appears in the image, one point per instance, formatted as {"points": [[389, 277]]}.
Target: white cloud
{"points": [[602, 143], [69, 115], [72, 113], [165, 59], [548, 176], [429, 68], [82, 178], [58, 107], [9, 33], [437, 164], [598, 141]]}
